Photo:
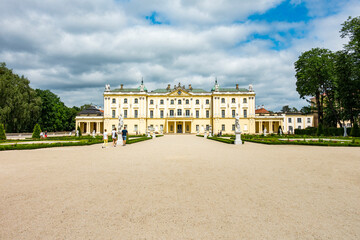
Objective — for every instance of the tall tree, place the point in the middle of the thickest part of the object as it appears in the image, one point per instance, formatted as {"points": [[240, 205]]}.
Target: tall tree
{"points": [[351, 29], [19, 104], [314, 76]]}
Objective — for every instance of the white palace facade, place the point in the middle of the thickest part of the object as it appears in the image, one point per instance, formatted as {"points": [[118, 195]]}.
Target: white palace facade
{"points": [[179, 110]]}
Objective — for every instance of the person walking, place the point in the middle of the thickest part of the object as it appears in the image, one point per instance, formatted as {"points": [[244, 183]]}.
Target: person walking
{"points": [[105, 137], [114, 137], [124, 134]]}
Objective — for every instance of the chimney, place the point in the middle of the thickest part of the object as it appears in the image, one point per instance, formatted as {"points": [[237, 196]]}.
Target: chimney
{"points": [[121, 86], [237, 86], [168, 87], [190, 87]]}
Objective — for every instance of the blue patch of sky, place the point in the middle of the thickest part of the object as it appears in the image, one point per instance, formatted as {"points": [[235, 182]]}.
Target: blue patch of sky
{"points": [[155, 19], [285, 12]]}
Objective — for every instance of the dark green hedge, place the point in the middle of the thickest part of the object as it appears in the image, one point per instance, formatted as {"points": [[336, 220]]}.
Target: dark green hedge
{"points": [[332, 131]]}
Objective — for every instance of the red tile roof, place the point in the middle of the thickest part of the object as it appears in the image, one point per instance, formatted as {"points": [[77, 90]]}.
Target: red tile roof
{"points": [[261, 110]]}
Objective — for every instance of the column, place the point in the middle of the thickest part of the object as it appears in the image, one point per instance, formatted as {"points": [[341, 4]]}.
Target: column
{"points": [[270, 127], [87, 127], [97, 127], [183, 127]]}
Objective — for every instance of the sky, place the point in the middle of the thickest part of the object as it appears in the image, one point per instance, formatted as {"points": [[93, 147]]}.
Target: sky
{"points": [[75, 47]]}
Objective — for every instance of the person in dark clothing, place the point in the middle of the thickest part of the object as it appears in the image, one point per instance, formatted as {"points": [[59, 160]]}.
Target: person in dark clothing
{"points": [[124, 134]]}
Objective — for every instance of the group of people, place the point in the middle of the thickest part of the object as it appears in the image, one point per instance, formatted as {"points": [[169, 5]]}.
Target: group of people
{"points": [[43, 135], [114, 136]]}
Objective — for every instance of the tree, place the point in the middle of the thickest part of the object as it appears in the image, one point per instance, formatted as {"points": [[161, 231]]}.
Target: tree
{"points": [[37, 131], [19, 104], [54, 114], [2, 132], [314, 76], [285, 109], [320, 130], [306, 110]]}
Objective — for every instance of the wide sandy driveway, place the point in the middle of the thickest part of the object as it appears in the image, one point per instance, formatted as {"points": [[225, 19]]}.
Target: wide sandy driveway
{"points": [[181, 187]]}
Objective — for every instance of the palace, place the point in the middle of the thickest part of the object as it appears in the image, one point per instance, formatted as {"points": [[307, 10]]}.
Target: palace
{"points": [[181, 109]]}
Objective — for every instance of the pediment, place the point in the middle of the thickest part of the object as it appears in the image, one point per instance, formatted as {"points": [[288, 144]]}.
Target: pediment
{"points": [[179, 92]]}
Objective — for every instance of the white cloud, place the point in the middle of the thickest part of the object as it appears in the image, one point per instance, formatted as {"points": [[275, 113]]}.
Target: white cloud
{"points": [[75, 51]]}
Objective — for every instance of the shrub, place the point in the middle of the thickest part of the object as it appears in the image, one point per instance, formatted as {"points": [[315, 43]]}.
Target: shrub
{"points": [[2, 132], [78, 128], [319, 131], [37, 131], [355, 130]]}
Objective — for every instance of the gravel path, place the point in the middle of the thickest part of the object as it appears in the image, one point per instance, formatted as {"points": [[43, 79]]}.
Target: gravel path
{"points": [[181, 187]]}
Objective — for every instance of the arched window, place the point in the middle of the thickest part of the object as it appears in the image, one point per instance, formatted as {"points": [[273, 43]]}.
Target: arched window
{"points": [[113, 100], [179, 101], [244, 100], [135, 100], [125, 100], [223, 100], [233, 100], [207, 101], [197, 101], [187, 101], [151, 101], [161, 101], [172, 101]]}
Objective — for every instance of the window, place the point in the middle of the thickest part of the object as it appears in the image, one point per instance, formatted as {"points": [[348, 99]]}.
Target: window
{"points": [[151, 114], [233, 100], [113, 100], [299, 120], [151, 101], [197, 128], [222, 113], [135, 128], [207, 127], [245, 113], [161, 101], [223, 100], [161, 113], [135, 113], [171, 113], [179, 112], [187, 113], [197, 113], [289, 120], [172, 101], [207, 113], [233, 113], [207, 101], [223, 127], [113, 114], [136, 100], [308, 120], [290, 129], [179, 102], [197, 101], [113, 127], [233, 127], [187, 101], [125, 100], [125, 113], [161, 127], [244, 100], [299, 127]]}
